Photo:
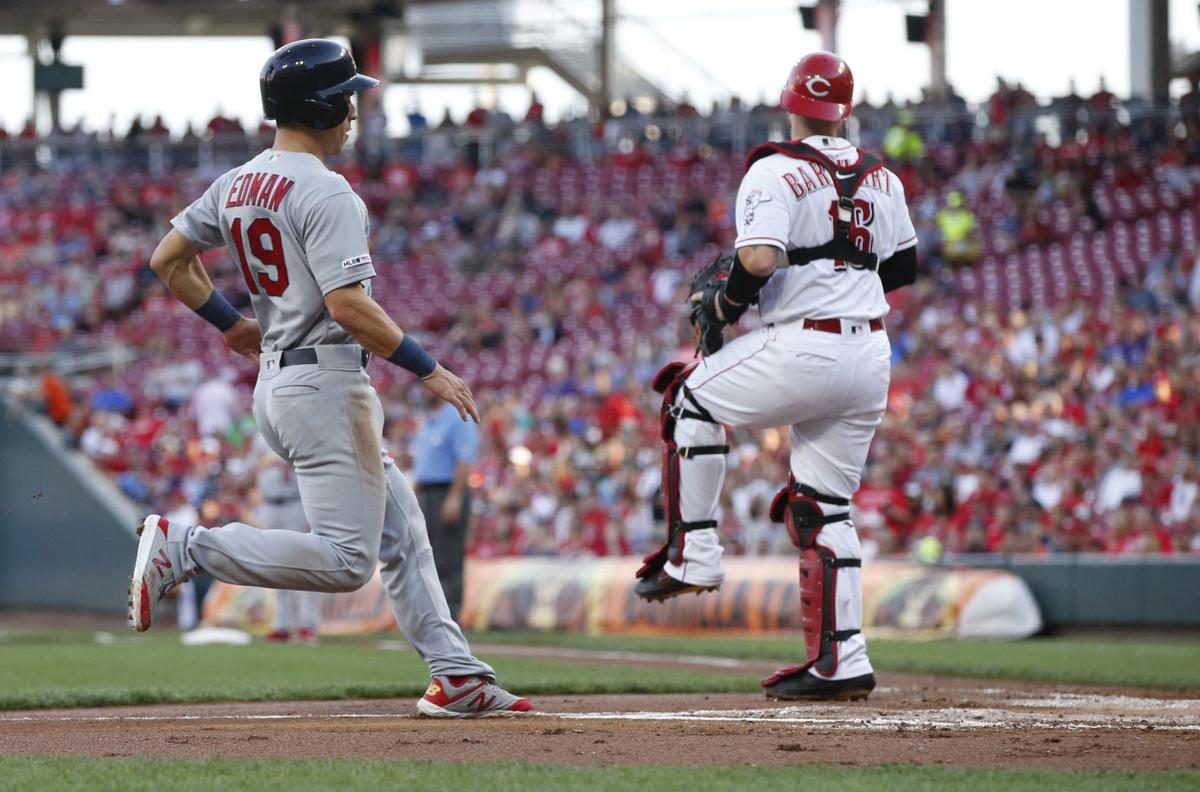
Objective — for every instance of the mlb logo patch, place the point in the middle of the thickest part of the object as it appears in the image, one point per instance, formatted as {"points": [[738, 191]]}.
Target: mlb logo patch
{"points": [[356, 261]]}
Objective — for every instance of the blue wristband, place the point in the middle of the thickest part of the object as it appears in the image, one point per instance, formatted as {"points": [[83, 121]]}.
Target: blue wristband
{"points": [[218, 312], [409, 355]]}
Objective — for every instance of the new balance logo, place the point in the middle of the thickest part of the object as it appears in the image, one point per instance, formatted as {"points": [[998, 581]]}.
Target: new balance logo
{"points": [[482, 702], [161, 564]]}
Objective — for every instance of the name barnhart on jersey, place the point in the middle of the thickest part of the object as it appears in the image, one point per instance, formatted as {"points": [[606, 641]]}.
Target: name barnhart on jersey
{"points": [[356, 261], [258, 189], [808, 178]]}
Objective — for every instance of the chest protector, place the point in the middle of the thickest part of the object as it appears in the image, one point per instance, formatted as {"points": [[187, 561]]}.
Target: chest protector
{"points": [[846, 179]]}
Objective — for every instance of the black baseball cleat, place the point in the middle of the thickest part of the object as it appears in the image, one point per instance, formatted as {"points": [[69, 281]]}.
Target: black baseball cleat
{"points": [[663, 587], [807, 687]]}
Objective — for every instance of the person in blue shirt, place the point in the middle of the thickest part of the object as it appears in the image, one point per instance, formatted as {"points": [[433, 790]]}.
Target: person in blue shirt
{"points": [[446, 448]]}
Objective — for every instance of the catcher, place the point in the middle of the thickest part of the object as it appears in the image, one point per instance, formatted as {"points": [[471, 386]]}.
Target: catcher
{"points": [[823, 233]]}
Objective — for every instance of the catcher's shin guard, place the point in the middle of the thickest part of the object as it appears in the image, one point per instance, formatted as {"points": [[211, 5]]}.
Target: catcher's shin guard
{"points": [[677, 404], [799, 508]]}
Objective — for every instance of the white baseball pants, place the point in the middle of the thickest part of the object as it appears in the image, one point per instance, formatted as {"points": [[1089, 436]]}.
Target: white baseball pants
{"points": [[832, 390]]}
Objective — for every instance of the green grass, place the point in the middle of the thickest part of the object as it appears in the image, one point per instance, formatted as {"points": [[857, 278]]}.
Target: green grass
{"points": [[205, 775], [1125, 662], [155, 668], [70, 669]]}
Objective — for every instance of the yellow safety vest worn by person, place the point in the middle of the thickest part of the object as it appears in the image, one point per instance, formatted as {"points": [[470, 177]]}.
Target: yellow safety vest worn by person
{"points": [[901, 141], [927, 550], [955, 221]]}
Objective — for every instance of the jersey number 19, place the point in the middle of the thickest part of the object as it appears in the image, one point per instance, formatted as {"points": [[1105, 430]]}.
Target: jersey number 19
{"points": [[269, 257]]}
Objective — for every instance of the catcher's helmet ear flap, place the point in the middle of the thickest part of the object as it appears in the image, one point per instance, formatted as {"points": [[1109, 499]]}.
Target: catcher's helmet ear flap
{"points": [[819, 86], [307, 82]]}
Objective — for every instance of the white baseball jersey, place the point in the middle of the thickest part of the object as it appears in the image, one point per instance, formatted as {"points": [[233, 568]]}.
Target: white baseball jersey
{"points": [[791, 203], [297, 231]]}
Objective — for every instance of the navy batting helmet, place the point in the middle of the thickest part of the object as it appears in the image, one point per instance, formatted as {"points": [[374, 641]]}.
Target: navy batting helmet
{"points": [[306, 81]]}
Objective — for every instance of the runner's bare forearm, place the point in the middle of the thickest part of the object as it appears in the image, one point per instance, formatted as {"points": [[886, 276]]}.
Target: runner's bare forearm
{"points": [[176, 261]]}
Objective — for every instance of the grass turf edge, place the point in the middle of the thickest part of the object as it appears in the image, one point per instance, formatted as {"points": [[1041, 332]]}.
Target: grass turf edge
{"points": [[49, 773]]}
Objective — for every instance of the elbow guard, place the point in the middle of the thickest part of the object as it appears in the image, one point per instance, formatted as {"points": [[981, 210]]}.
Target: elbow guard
{"points": [[743, 286], [899, 270]]}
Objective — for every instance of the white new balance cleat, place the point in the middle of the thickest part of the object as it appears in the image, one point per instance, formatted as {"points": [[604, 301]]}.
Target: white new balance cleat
{"points": [[153, 573], [469, 697]]}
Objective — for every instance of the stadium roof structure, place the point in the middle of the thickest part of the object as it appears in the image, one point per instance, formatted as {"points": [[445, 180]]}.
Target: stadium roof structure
{"points": [[424, 41], [185, 17]]}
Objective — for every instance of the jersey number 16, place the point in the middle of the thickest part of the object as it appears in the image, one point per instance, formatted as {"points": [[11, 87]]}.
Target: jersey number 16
{"points": [[860, 231], [269, 257]]}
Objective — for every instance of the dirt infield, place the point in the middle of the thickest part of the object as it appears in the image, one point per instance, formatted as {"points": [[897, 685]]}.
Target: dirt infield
{"points": [[909, 719]]}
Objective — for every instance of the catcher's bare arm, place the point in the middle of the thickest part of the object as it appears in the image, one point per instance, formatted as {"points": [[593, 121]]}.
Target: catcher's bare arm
{"points": [[176, 261]]}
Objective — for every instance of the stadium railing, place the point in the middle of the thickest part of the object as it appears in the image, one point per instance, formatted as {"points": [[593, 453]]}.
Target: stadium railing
{"points": [[729, 131]]}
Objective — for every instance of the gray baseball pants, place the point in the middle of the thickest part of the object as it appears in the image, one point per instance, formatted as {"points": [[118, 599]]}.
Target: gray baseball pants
{"points": [[327, 421], [294, 610]]}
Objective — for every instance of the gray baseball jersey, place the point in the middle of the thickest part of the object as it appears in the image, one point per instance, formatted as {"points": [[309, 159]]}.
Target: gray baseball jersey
{"points": [[297, 230]]}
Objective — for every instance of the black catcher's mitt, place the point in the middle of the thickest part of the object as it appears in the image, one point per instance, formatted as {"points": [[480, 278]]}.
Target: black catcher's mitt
{"points": [[706, 288]]}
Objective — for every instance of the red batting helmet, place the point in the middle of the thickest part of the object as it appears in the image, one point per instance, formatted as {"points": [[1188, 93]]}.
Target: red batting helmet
{"points": [[820, 86]]}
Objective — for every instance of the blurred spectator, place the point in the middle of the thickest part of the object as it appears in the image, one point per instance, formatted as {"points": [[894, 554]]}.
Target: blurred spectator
{"points": [[902, 143], [957, 225], [477, 118], [216, 404], [416, 121], [536, 111], [159, 128], [446, 448], [111, 397], [221, 125], [1069, 106], [57, 399], [1102, 101]]}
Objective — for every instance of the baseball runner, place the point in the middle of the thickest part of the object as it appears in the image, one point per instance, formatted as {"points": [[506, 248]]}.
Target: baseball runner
{"points": [[299, 234], [823, 232], [280, 509]]}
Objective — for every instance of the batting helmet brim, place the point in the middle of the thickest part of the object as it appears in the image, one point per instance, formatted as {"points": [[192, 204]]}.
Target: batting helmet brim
{"points": [[810, 108], [359, 82]]}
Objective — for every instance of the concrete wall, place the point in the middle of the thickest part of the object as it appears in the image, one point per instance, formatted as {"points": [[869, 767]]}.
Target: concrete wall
{"points": [[1093, 590], [66, 534]]}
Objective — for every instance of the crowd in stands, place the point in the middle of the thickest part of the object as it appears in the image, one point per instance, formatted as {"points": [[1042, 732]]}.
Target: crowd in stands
{"points": [[1046, 383]]}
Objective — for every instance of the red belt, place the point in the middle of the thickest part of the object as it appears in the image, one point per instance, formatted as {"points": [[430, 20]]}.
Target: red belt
{"points": [[835, 325]]}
